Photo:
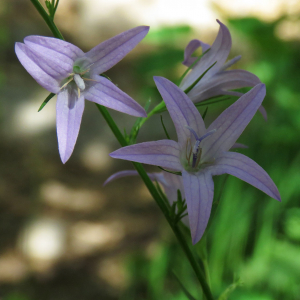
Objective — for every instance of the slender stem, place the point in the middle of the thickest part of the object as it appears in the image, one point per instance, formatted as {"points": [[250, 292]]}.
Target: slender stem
{"points": [[47, 19], [157, 108], [139, 168], [178, 233]]}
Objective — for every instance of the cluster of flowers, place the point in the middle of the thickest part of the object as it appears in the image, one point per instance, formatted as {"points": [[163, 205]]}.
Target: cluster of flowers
{"points": [[200, 152]]}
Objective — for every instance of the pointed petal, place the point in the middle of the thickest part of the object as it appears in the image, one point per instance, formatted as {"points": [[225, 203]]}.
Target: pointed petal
{"points": [[104, 92], [69, 110], [218, 52], [37, 68], [163, 153], [110, 52], [263, 111], [199, 194], [127, 173], [222, 82], [246, 169], [192, 46], [232, 122], [66, 49], [230, 63], [238, 145], [182, 110]]}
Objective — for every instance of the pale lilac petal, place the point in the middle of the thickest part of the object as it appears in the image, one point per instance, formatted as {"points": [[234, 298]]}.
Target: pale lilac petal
{"points": [[192, 46], [199, 194], [66, 49], [127, 173], [263, 111], [110, 52], [218, 53], [230, 63], [37, 68], [69, 110], [182, 110], [239, 145], [221, 82], [246, 169], [232, 122], [104, 92], [163, 153]]}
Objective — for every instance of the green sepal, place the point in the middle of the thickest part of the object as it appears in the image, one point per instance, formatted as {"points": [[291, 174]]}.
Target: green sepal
{"points": [[185, 291], [205, 112], [163, 125], [175, 173], [136, 126], [199, 78], [49, 97]]}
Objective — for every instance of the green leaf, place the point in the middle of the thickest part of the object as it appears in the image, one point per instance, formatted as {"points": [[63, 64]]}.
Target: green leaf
{"points": [[49, 97], [186, 292], [230, 289]]}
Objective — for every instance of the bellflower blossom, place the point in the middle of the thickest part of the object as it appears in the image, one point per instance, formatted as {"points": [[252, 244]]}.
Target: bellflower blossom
{"points": [[216, 81], [64, 69], [201, 153]]}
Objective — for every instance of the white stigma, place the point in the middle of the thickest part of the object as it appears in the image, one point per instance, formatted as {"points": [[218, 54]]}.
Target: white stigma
{"points": [[79, 82]]}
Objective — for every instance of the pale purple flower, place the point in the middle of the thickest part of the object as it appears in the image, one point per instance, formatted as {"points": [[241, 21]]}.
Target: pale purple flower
{"points": [[216, 81], [201, 153], [73, 75]]}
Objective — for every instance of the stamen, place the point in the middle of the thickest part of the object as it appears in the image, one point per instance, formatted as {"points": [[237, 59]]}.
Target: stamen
{"points": [[66, 83]]}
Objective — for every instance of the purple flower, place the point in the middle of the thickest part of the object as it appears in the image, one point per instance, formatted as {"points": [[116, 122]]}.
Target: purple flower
{"points": [[216, 81], [73, 75], [201, 153]]}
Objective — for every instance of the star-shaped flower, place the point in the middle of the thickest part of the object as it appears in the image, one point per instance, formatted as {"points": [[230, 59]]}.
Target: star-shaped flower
{"points": [[216, 81], [73, 75], [201, 153]]}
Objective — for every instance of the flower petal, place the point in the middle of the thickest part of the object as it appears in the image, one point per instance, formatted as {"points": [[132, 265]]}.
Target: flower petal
{"points": [[221, 82], [69, 110], [37, 68], [232, 122], [110, 52], [199, 194], [104, 92], [127, 173], [246, 169], [182, 110], [263, 111], [192, 46], [66, 49], [218, 52], [163, 153]]}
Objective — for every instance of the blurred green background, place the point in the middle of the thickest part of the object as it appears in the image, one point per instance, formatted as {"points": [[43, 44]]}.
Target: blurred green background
{"points": [[64, 236]]}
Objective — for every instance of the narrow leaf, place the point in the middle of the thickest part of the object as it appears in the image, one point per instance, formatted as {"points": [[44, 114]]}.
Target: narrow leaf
{"points": [[205, 112], [199, 78], [186, 292], [175, 173], [49, 97], [163, 125]]}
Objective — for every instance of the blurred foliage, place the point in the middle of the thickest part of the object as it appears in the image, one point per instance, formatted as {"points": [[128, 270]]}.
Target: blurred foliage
{"points": [[252, 235]]}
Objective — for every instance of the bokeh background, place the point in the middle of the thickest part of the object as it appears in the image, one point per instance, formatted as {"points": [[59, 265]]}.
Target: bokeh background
{"points": [[65, 236]]}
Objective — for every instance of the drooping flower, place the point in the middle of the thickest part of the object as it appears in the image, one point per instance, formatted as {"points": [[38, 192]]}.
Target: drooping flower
{"points": [[171, 184], [201, 153], [217, 81], [64, 69]]}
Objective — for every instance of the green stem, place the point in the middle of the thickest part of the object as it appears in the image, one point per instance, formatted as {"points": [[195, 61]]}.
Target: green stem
{"points": [[178, 233], [139, 168], [47, 19]]}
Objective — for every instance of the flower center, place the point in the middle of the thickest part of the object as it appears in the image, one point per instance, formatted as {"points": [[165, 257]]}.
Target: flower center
{"points": [[193, 153]]}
